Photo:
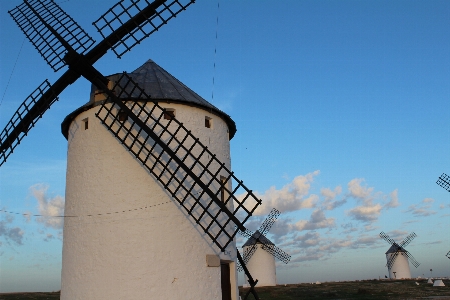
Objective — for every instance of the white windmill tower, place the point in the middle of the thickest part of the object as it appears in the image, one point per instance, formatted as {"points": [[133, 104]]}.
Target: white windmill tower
{"points": [[149, 190], [398, 258], [138, 252], [260, 252], [262, 263]]}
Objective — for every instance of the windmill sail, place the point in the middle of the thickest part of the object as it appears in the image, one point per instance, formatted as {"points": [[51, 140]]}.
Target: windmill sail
{"points": [[38, 19], [398, 249], [147, 19], [258, 237], [444, 181], [55, 34], [277, 253], [412, 259], [25, 118], [180, 162], [408, 239]]}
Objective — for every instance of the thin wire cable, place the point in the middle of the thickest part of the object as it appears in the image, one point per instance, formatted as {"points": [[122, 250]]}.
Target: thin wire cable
{"points": [[215, 52], [14, 67], [102, 214]]}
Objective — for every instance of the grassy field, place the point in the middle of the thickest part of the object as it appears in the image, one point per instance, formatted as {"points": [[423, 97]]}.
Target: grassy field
{"points": [[370, 289]]}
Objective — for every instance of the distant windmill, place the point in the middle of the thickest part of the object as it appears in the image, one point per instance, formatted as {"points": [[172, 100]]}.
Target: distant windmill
{"points": [[261, 264], [448, 255], [397, 257], [444, 181]]}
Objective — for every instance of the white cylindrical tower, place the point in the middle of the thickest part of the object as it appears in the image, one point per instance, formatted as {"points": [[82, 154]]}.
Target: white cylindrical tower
{"points": [[261, 264], [131, 239], [400, 268]]}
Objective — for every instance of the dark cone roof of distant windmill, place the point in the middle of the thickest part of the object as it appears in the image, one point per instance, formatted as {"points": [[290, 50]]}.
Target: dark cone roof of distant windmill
{"points": [[162, 87], [395, 248], [262, 239]]}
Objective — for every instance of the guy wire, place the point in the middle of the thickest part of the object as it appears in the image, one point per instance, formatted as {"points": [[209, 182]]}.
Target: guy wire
{"points": [[215, 52], [90, 215]]}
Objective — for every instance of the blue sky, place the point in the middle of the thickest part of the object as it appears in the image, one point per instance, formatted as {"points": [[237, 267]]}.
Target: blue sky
{"points": [[342, 111]]}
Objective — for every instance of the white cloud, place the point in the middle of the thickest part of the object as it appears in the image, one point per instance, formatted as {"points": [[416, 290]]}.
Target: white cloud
{"points": [[14, 234], [365, 213], [428, 200], [336, 245], [48, 237], [397, 235], [370, 228], [369, 210], [393, 202], [366, 241], [330, 195], [357, 191], [310, 239], [317, 220], [48, 207], [291, 197], [421, 211]]}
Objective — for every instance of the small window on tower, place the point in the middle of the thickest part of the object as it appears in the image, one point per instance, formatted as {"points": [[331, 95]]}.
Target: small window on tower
{"points": [[222, 188], [122, 116], [169, 113], [86, 123], [208, 122]]}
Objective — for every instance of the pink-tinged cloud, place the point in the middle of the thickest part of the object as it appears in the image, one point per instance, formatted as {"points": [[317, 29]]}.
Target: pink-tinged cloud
{"points": [[291, 197], [365, 213], [48, 206], [317, 220]]}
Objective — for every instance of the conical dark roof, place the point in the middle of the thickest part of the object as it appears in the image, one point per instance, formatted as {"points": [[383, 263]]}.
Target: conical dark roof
{"points": [[394, 248], [161, 86], [257, 237]]}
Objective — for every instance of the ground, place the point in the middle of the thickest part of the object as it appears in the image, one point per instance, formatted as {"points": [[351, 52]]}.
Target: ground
{"points": [[367, 289]]}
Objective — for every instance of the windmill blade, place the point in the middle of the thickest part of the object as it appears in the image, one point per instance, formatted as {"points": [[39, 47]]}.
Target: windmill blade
{"points": [[448, 254], [29, 112], [269, 221], [248, 253], [263, 229], [54, 33], [17, 128], [248, 234], [277, 252], [444, 181], [250, 279], [179, 161], [412, 259], [57, 37], [408, 240], [148, 18], [385, 237], [392, 259], [33, 15]]}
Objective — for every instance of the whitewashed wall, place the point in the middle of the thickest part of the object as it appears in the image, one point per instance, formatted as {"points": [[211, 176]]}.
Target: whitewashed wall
{"points": [[262, 267], [400, 266], [151, 253]]}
